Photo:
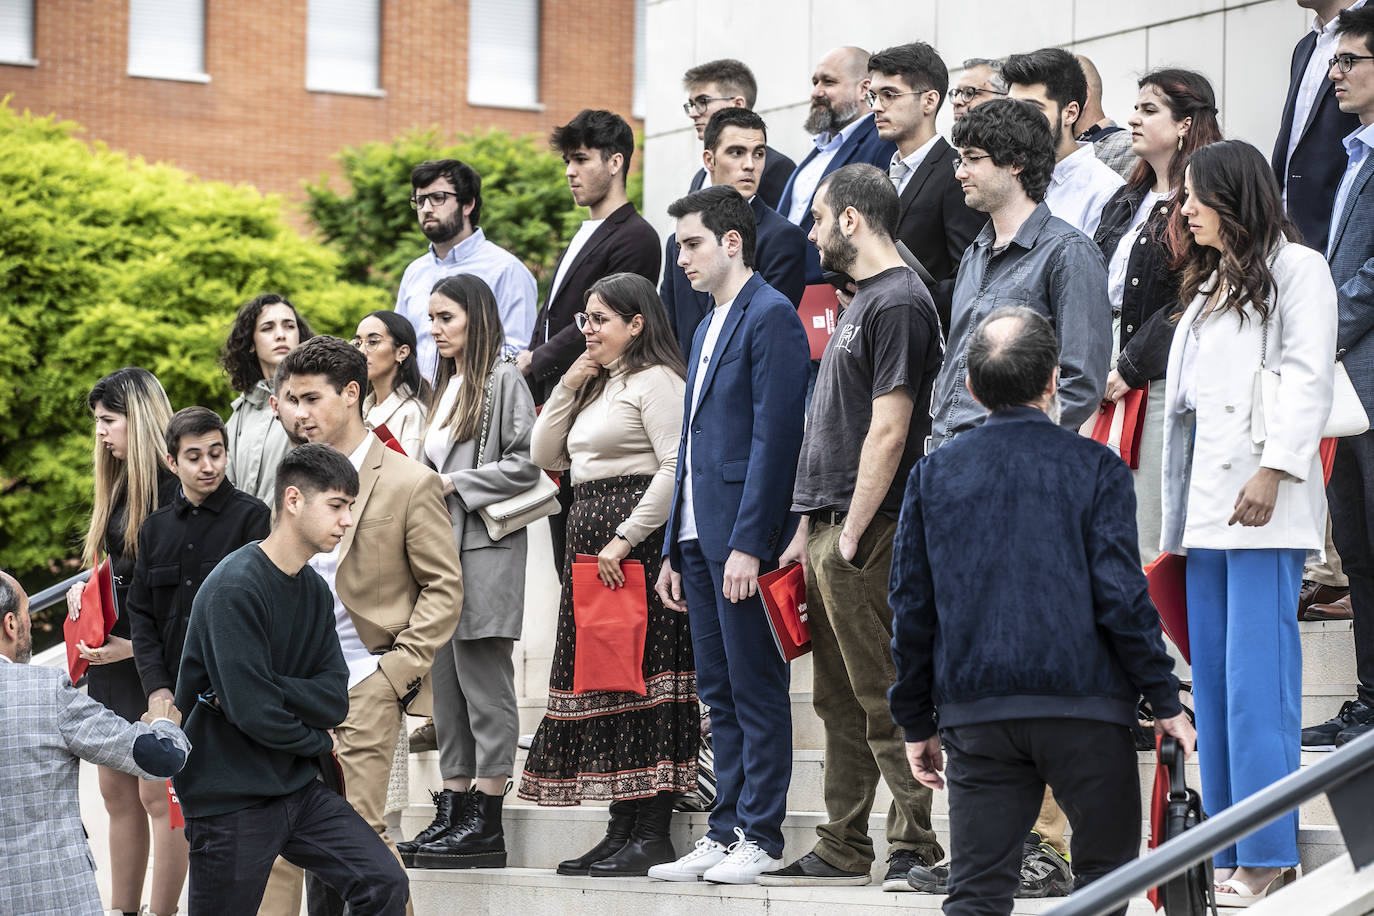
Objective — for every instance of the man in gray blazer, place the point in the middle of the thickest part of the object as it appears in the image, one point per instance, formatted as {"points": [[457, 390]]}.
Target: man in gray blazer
{"points": [[47, 729], [1350, 251]]}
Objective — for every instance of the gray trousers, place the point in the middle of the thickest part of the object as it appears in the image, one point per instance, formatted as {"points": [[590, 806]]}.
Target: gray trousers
{"points": [[476, 719]]}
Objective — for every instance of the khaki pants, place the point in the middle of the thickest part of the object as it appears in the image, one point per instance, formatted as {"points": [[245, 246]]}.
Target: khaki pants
{"points": [[367, 746], [1051, 823], [1328, 573]]}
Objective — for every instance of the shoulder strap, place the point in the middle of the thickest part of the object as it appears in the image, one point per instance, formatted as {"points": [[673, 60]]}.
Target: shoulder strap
{"points": [[488, 396]]}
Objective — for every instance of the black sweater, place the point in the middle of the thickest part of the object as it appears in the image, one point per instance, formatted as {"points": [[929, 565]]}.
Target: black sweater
{"points": [[265, 643]]}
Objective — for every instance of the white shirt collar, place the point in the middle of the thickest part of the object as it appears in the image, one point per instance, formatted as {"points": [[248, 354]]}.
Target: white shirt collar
{"points": [[825, 141], [1073, 162], [1325, 30], [917, 156]]}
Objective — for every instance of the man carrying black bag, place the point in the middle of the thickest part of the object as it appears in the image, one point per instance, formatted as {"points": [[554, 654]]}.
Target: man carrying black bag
{"points": [[1023, 629]]}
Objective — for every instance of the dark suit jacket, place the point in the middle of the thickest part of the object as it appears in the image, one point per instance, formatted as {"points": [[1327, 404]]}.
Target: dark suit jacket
{"points": [[777, 168], [864, 145], [746, 430], [779, 257], [1319, 159], [1352, 268], [624, 243], [936, 224]]}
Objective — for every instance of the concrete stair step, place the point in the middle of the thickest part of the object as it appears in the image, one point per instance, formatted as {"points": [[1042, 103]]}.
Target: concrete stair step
{"points": [[1336, 889]]}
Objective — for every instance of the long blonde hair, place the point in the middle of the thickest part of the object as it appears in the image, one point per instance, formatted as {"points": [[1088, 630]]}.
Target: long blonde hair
{"points": [[136, 394], [485, 337]]}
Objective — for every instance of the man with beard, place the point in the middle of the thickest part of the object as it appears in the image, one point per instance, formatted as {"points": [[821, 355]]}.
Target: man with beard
{"points": [[447, 198], [1052, 80], [843, 133], [867, 425]]}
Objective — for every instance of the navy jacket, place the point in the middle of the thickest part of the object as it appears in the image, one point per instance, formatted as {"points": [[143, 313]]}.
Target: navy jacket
{"points": [[777, 169], [1016, 586], [746, 429], [779, 257], [1314, 174], [864, 145]]}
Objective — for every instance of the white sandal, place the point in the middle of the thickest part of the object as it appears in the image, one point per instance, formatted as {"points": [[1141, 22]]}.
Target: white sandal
{"points": [[1238, 893]]}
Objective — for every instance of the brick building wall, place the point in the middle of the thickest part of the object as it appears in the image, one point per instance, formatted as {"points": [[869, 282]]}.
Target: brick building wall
{"points": [[255, 121]]}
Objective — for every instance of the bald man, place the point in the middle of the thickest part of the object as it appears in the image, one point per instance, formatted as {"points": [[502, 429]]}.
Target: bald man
{"points": [[843, 132], [1111, 142]]}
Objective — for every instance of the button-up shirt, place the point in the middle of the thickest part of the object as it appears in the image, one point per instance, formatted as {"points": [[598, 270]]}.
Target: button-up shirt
{"points": [[1357, 146], [810, 174], [178, 545], [1314, 80], [1080, 187], [912, 162], [511, 283], [1048, 266]]}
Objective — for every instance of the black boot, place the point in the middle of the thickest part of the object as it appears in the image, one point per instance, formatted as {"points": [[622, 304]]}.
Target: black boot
{"points": [[448, 807], [649, 843], [476, 840], [617, 835]]}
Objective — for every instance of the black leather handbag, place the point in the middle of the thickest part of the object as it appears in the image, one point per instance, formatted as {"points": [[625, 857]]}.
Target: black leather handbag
{"points": [[1191, 893]]}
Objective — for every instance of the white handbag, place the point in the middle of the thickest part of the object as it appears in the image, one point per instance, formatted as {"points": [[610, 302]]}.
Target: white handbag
{"points": [[514, 512], [1347, 417]]}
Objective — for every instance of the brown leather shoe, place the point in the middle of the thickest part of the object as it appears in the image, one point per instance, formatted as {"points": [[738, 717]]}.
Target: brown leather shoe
{"points": [[1315, 593], [1337, 610], [424, 739]]}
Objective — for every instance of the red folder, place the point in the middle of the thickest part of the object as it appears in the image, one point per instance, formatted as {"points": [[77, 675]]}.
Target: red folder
{"points": [[98, 614], [611, 625], [381, 432], [1167, 590], [1327, 449], [784, 596], [1119, 424], [819, 310]]}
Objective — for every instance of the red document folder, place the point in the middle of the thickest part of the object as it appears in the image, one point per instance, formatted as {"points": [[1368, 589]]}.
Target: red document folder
{"points": [[784, 596], [98, 615], [1120, 424], [1169, 593], [819, 310]]}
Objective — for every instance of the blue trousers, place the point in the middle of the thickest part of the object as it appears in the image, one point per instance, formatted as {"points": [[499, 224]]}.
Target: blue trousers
{"points": [[742, 677], [1247, 686]]}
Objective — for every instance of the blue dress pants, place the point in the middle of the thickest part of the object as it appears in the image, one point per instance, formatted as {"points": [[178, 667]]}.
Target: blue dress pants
{"points": [[1247, 686], [741, 676]]}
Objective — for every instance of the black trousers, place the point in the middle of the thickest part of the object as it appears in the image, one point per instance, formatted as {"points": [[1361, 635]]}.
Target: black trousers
{"points": [[313, 828], [1350, 496], [997, 772], [558, 523]]}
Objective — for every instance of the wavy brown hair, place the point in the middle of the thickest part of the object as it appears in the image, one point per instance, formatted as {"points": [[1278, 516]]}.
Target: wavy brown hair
{"points": [[237, 356], [629, 295], [485, 338], [1234, 179]]}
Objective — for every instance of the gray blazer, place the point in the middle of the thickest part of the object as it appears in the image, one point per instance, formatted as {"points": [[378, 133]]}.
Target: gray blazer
{"points": [[1352, 267], [493, 571], [47, 729]]}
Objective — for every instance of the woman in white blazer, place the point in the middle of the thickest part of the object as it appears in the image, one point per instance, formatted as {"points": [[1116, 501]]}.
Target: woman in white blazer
{"points": [[397, 396], [1246, 512]]}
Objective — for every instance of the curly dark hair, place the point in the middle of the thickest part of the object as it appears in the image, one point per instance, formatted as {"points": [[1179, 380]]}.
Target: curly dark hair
{"points": [[1015, 133], [237, 357]]}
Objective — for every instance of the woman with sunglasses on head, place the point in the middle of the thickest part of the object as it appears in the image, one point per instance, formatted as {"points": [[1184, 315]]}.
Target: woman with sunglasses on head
{"points": [[131, 480], [397, 396], [613, 423], [1246, 503], [478, 439], [1143, 242], [266, 328]]}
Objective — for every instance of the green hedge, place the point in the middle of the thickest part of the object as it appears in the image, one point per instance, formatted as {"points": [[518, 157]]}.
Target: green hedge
{"points": [[105, 262]]}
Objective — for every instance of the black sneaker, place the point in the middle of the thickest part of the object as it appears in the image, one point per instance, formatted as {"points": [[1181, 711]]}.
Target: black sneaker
{"points": [[899, 865], [932, 880], [1045, 873], [1323, 737], [1348, 735], [812, 871]]}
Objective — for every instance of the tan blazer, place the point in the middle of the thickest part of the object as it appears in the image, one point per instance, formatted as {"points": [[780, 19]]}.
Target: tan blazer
{"points": [[399, 576]]}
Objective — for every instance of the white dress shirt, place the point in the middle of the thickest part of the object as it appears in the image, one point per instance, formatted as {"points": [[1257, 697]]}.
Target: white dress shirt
{"points": [[687, 522], [810, 174], [912, 162], [1080, 187]]}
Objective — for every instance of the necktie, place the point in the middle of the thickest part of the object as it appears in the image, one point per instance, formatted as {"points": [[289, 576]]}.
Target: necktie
{"points": [[897, 171]]}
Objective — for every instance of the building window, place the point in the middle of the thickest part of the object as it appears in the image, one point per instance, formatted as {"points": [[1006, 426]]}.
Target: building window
{"points": [[167, 39], [638, 104], [16, 32], [503, 53], [343, 43]]}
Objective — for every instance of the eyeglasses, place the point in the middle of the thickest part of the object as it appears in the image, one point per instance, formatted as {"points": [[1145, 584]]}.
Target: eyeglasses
{"points": [[435, 200], [1345, 61], [888, 96], [367, 344], [967, 94], [961, 161], [596, 319], [698, 105]]}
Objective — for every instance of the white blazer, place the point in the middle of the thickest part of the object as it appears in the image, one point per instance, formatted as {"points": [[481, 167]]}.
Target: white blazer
{"points": [[404, 416], [1203, 475]]}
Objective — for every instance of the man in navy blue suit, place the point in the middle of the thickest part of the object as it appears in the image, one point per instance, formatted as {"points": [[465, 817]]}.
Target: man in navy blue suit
{"points": [[843, 133], [741, 430], [736, 155]]}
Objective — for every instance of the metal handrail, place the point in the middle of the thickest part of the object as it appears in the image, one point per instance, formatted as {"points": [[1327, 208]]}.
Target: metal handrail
{"points": [[54, 594], [1347, 777]]}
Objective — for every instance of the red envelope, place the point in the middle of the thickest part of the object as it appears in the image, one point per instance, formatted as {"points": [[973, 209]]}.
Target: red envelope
{"points": [[1119, 425], [1169, 593], [381, 432], [1327, 449], [98, 614], [819, 310], [784, 597], [611, 625]]}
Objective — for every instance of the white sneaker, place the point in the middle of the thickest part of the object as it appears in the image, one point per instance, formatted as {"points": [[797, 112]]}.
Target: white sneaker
{"points": [[692, 866], [746, 861]]}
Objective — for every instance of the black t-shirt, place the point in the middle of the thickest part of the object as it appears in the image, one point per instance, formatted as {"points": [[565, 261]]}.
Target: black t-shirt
{"points": [[888, 338]]}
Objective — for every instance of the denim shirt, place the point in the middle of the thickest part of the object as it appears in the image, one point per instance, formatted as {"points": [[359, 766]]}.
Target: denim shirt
{"points": [[1056, 270]]}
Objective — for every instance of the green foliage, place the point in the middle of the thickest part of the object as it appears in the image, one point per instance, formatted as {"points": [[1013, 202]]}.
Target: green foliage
{"points": [[107, 262]]}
